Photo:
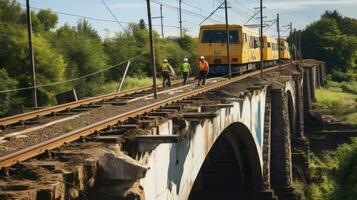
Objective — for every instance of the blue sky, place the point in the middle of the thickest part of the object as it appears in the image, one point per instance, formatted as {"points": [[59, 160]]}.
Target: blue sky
{"points": [[299, 12]]}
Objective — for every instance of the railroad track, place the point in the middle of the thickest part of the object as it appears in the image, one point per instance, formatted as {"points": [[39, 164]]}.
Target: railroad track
{"points": [[119, 98], [32, 151]]}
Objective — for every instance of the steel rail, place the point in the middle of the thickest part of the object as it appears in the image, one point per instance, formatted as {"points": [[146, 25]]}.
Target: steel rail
{"points": [[54, 109], [32, 151]]}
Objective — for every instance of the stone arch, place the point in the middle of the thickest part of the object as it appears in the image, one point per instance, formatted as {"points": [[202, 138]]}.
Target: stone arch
{"points": [[232, 167]]}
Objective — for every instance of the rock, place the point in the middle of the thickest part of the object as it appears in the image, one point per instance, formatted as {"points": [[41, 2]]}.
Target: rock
{"points": [[328, 118], [114, 165]]}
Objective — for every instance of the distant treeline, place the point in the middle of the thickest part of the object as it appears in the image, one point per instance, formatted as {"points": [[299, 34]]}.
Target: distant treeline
{"points": [[68, 52], [333, 38]]}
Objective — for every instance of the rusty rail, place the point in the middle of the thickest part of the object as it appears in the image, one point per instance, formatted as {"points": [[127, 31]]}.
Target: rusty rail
{"points": [[32, 151], [59, 108]]}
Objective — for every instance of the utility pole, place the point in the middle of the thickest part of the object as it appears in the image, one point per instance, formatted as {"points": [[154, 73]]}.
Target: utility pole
{"points": [[228, 42], [295, 44], [278, 29], [180, 13], [300, 47], [152, 50], [162, 22], [32, 57], [261, 39], [290, 42]]}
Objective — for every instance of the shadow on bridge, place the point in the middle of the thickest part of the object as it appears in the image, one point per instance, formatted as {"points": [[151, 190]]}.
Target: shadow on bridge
{"points": [[231, 169]]}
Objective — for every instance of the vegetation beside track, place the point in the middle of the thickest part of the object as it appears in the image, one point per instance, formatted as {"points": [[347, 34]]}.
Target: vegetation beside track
{"points": [[64, 52], [333, 100], [332, 175]]}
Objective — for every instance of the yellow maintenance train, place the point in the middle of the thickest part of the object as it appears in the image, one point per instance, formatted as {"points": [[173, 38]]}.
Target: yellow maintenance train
{"points": [[244, 48]]}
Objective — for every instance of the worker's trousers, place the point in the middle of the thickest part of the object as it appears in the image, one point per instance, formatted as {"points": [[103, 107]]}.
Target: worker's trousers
{"points": [[185, 77], [202, 78], [166, 81]]}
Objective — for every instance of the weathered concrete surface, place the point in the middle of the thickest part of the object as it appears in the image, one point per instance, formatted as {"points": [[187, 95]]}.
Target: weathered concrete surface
{"points": [[181, 162]]}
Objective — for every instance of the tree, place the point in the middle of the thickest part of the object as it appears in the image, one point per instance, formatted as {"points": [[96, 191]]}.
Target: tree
{"points": [[48, 19], [14, 57], [142, 24], [329, 39], [83, 51]]}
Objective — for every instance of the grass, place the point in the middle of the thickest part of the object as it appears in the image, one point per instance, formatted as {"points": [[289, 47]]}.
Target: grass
{"points": [[333, 101], [349, 87], [129, 83]]}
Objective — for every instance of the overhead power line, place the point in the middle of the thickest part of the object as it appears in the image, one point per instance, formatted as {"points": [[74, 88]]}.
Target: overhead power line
{"points": [[116, 19], [91, 18], [198, 8], [183, 10], [212, 13], [252, 17]]}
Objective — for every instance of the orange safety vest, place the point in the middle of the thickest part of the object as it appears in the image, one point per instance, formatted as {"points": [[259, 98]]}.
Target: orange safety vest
{"points": [[203, 66]]}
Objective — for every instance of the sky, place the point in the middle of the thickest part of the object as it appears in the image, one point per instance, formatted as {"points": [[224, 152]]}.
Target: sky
{"points": [[299, 12]]}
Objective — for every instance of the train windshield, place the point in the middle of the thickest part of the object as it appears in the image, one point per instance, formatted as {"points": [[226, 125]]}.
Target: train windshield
{"points": [[219, 36]]}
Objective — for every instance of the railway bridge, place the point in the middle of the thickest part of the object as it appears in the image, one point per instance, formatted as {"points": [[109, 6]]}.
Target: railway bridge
{"points": [[241, 141]]}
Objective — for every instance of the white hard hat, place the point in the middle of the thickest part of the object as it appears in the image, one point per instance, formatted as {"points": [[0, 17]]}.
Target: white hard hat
{"points": [[165, 61], [202, 57], [185, 60]]}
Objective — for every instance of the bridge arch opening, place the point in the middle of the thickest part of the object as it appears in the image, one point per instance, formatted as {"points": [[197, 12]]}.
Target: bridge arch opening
{"points": [[231, 168]]}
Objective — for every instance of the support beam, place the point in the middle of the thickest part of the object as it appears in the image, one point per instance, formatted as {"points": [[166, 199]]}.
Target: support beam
{"points": [[278, 30], [180, 15], [31, 54], [162, 22], [299, 107], [228, 40], [152, 50], [261, 39]]}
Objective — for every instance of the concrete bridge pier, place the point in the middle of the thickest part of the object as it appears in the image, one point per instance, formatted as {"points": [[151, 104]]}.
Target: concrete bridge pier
{"points": [[306, 93], [281, 161], [300, 144]]}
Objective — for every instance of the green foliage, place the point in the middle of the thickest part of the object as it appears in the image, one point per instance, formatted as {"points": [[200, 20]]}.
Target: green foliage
{"points": [[83, 52], [48, 19], [70, 53], [136, 42], [8, 100], [14, 56], [334, 174], [346, 173], [333, 39]]}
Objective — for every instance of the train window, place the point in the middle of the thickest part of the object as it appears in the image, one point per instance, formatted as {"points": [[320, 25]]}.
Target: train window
{"points": [[251, 42], [256, 43], [245, 37], [269, 44], [219, 36]]}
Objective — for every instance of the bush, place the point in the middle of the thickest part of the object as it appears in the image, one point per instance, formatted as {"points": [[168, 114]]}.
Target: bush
{"points": [[346, 173]]}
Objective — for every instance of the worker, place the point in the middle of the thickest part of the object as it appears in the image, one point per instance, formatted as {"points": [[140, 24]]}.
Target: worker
{"points": [[203, 69], [166, 71], [186, 69]]}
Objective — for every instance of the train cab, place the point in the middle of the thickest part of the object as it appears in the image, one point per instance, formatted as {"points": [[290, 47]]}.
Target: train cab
{"points": [[244, 48]]}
